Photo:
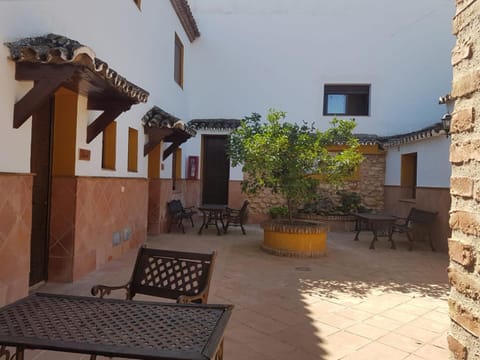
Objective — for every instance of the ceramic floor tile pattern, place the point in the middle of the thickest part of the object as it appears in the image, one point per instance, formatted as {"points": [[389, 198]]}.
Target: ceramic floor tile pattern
{"points": [[354, 303]]}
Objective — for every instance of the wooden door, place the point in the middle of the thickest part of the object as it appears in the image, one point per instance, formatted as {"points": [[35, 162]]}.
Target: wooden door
{"points": [[216, 170], [41, 166]]}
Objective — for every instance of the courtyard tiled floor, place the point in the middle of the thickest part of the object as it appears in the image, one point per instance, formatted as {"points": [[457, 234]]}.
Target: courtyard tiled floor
{"points": [[354, 303]]}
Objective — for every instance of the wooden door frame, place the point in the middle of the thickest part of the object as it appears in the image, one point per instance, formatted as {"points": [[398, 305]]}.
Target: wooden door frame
{"points": [[46, 245], [204, 161]]}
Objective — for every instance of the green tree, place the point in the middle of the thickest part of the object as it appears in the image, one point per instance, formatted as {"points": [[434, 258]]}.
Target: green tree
{"points": [[283, 156]]}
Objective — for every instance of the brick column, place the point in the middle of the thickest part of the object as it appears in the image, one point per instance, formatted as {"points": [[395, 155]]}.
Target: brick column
{"points": [[464, 246]]}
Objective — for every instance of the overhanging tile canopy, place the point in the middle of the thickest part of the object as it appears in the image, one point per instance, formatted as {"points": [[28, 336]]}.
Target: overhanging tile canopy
{"points": [[428, 132], [184, 13], [161, 126], [55, 61], [214, 124]]}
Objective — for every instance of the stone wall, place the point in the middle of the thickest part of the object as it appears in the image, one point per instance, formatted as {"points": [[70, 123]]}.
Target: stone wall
{"points": [[369, 184], [464, 244]]}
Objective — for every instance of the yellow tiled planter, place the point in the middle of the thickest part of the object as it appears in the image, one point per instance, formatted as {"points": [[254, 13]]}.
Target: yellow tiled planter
{"points": [[302, 239]]}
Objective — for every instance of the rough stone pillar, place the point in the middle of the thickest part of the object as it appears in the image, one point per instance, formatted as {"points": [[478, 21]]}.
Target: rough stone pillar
{"points": [[464, 246]]}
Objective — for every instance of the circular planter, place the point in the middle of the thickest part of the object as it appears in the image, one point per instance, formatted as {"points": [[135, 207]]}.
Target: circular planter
{"points": [[337, 223], [301, 239]]}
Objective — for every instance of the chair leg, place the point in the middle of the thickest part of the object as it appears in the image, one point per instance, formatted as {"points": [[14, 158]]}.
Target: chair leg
{"points": [[243, 230], [410, 241], [431, 242], [191, 219], [180, 224]]}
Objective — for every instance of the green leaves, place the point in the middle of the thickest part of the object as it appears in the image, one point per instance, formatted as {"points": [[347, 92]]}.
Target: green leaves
{"points": [[281, 156]]}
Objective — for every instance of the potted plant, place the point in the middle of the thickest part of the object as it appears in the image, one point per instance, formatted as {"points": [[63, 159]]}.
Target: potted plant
{"points": [[284, 157]]}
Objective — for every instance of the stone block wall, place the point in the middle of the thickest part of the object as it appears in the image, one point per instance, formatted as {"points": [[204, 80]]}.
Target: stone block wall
{"points": [[464, 244], [369, 184]]}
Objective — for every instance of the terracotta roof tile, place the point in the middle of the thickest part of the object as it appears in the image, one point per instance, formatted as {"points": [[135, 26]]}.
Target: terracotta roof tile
{"points": [[58, 49], [184, 13]]}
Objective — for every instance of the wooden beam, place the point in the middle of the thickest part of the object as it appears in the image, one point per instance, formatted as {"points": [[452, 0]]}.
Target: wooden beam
{"points": [[168, 151], [99, 103], [28, 71], [155, 136], [102, 121], [43, 89]]}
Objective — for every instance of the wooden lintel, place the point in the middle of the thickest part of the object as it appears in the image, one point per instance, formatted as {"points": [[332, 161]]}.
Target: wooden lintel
{"points": [[102, 121], [168, 151], [155, 136], [148, 147], [28, 71], [95, 103], [43, 89]]}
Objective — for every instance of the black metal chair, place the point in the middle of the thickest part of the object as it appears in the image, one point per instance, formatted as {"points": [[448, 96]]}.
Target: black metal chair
{"points": [[236, 217], [182, 276], [418, 221], [177, 213]]}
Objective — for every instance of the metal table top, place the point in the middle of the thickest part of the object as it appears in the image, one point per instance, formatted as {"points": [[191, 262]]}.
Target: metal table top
{"points": [[110, 327]]}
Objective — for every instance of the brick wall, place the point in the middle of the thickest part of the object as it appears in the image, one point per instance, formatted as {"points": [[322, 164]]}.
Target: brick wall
{"points": [[464, 245]]}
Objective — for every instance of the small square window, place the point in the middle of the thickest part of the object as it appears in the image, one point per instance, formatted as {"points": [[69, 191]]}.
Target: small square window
{"points": [[346, 100]]}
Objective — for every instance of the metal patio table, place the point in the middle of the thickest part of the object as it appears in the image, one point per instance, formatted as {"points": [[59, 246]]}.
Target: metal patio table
{"points": [[113, 328], [379, 224], [212, 215]]}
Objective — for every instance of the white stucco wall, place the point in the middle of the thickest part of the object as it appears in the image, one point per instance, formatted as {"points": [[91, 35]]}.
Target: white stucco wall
{"points": [[254, 55], [139, 45], [251, 55], [433, 167]]}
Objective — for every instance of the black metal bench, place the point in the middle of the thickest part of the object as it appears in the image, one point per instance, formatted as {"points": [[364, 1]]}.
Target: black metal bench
{"points": [[417, 222], [177, 213], [182, 276]]}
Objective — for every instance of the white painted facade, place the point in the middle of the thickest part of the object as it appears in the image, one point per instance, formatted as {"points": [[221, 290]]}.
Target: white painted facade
{"points": [[254, 55], [280, 54], [139, 45], [251, 55], [433, 169]]}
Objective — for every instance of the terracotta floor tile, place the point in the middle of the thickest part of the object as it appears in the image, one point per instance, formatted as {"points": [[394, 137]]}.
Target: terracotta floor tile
{"points": [[269, 345], [400, 342], [334, 319], [310, 338], [383, 322], [321, 307], [353, 314], [377, 351], [237, 350], [399, 316], [352, 304], [430, 325], [346, 339], [368, 331], [416, 333], [259, 322], [431, 352], [412, 309]]}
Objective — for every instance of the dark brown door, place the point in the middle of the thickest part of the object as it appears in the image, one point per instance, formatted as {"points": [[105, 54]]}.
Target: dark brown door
{"points": [[216, 170], [41, 166]]}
